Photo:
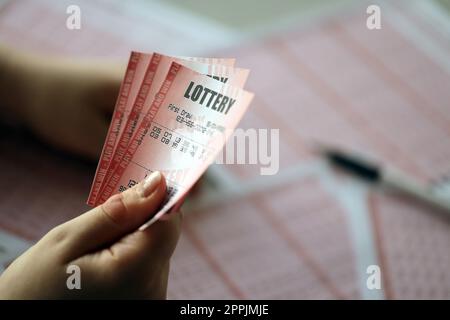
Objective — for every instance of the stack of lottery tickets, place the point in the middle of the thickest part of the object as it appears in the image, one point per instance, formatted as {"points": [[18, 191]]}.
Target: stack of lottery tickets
{"points": [[173, 115]]}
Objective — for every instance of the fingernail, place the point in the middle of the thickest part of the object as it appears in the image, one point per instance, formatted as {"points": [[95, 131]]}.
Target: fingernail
{"points": [[150, 183]]}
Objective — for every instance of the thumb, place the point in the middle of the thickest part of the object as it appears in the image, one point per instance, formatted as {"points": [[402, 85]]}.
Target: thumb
{"points": [[118, 216]]}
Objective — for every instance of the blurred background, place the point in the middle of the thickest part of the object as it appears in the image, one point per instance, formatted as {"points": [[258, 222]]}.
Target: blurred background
{"points": [[319, 75]]}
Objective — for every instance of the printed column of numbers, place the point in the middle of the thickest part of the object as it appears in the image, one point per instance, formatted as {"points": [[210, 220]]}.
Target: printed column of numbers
{"points": [[177, 141]]}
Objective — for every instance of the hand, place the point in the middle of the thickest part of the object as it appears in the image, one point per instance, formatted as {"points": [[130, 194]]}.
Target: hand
{"points": [[115, 259], [67, 103], [70, 104]]}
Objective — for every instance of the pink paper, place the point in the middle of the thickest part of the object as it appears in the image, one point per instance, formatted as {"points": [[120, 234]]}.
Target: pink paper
{"points": [[155, 74], [136, 76], [180, 135]]}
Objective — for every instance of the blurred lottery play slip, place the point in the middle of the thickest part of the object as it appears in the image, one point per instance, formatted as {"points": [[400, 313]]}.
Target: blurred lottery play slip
{"points": [[174, 115]]}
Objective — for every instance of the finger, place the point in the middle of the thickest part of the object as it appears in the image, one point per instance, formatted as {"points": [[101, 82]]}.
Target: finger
{"points": [[177, 206], [103, 95], [139, 261], [118, 216], [90, 140], [154, 244], [104, 91]]}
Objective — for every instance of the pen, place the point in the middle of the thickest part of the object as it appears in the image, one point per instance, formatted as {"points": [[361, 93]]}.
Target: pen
{"points": [[390, 179]]}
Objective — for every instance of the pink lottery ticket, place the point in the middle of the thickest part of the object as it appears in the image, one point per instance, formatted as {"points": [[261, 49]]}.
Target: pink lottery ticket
{"points": [[153, 79], [134, 77], [184, 129], [229, 62], [128, 90]]}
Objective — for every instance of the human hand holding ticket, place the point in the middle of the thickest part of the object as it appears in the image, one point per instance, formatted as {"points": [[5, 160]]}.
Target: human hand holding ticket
{"points": [[68, 103], [173, 115]]}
